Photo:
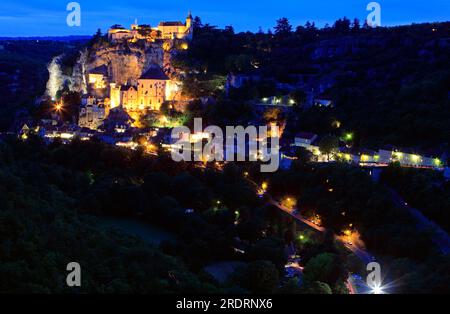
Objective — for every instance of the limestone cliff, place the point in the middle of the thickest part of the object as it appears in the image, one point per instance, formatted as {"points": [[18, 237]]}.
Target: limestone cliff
{"points": [[125, 62], [74, 81]]}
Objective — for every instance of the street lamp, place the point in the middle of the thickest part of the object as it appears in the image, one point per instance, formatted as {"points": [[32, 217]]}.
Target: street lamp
{"points": [[377, 289], [348, 136], [58, 107]]}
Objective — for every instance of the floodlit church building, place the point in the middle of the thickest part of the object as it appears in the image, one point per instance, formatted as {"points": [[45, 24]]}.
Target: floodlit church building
{"points": [[149, 94]]}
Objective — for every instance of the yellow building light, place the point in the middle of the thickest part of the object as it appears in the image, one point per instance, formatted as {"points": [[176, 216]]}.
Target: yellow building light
{"points": [[437, 162], [415, 158], [66, 136], [336, 124], [364, 158]]}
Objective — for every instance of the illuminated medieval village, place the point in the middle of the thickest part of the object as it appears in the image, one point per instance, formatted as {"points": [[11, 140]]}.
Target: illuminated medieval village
{"points": [[356, 117], [124, 78], [137, 91], [131, 75]]}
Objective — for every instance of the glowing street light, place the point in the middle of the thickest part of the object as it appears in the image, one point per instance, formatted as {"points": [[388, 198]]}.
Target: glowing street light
{"points": [[437, 162], [348, 136], [184, 46], [377, 289], [336, 124], [264, 186], [289, 203], [58, 107]]}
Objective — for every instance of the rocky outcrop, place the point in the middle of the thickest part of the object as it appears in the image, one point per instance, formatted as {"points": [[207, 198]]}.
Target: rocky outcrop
{"points": [[125, 63], [74, 82]]}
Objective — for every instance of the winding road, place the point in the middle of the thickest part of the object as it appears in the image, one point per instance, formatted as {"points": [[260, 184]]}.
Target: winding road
{"points": [[359, 252]]}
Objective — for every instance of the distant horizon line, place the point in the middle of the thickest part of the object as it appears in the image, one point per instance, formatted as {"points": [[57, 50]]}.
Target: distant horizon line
{"points": [[247, 31]]}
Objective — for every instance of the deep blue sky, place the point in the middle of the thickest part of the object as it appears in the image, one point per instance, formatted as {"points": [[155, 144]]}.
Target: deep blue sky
{"points": [[48, 17]]}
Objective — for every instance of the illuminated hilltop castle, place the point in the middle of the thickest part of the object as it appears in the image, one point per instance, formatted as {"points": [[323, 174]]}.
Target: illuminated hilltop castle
{"points": [[165, 30]]}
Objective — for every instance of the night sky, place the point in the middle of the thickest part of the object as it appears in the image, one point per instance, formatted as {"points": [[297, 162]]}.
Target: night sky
{"points": [[48, 17]]}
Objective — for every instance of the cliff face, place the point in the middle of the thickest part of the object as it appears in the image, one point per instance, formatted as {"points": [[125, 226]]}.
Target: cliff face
{"points": [[74, 82], [125, 64]]}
